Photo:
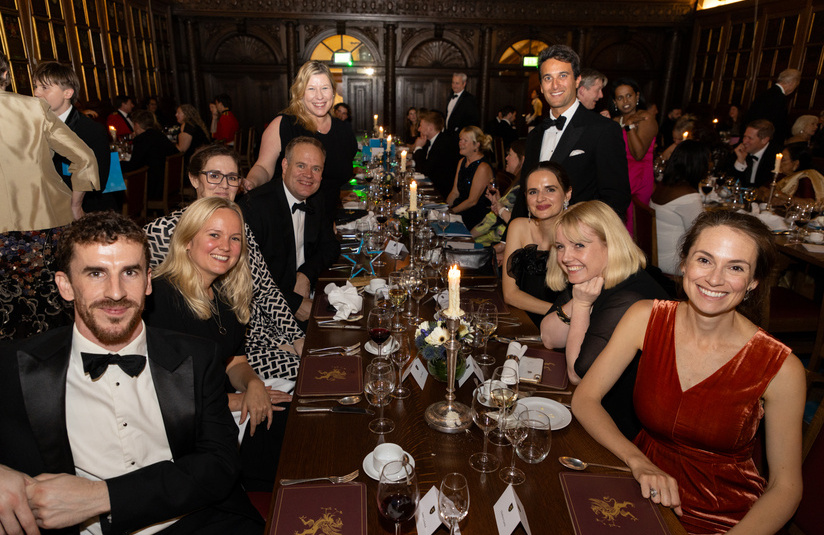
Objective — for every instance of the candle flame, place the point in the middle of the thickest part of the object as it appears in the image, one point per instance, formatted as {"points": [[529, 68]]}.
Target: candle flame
{"points": [[686, 135], [454, 271]]}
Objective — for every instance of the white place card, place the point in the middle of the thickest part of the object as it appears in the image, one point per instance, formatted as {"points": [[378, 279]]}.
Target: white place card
{"points": [[427, 519], [509, 512], [472, 367], [419, 372], [395, 249]]}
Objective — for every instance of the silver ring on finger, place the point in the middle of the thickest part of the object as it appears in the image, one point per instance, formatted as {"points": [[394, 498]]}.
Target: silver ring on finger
{"points": [[653, 493]]}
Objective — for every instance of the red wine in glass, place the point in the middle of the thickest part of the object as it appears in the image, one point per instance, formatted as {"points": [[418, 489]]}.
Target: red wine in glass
{"points": [[801, 222], [381, 218], [398, 508], [706, 190], [379, 335]]}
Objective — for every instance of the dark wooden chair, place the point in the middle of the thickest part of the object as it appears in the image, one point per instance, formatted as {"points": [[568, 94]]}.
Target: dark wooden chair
{"points": [[172, 186], [785, 311], [643, 226], [247, 155], [134, 206], [499, 152]]}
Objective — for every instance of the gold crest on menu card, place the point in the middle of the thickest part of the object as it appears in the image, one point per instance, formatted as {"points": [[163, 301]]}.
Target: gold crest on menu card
{"points": [[607, 514], [325, 525], [335, 374]]}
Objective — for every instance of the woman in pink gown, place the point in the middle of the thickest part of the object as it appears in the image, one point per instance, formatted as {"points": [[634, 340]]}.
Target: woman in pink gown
{"points": [[706, 378]]}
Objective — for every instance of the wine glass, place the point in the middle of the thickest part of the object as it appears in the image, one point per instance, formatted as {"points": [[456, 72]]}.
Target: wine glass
{"points": [[535, 446], [418, 288], [436, 261], [373, 241], [706, 188], [379, 324], [400, 358], [379, 381], [515, 432], [801, 221], [453, 501], [504, 394], [398, 493], [485, 416], [397, 294], [486, 322], [408, 278], [443, 223]]}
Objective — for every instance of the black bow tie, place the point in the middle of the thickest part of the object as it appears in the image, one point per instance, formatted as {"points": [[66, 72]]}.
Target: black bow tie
{"points": [[557, 123], [300, 206], [95, 364], [751, 158], [454, 96]]}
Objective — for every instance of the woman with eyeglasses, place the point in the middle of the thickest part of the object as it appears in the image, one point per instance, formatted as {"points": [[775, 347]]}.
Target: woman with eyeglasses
{"points": [[273, 340]]}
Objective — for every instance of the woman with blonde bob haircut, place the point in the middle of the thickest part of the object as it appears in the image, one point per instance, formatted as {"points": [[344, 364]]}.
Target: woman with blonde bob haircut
{"points": [[312, 96], [472, 177], [600, 273]]}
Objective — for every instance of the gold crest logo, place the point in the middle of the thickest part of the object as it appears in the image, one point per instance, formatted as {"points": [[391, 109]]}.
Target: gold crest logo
{"points": [[327, 524], [607, 513], [335, 374], [510, 508]]}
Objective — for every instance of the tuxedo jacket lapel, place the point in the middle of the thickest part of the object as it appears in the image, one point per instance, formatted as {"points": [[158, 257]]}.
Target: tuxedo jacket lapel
{"points": [[285, 212], [173, 376], [572, 133]]}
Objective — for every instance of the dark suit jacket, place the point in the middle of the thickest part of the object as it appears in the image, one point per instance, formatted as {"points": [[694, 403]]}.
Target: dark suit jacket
{"points": [[465, 113], [94, 135], [766, 164], [442, 162], [268, 214], [503, 130], [598, 167], [188, 377], [151, 148], [772, 106]]}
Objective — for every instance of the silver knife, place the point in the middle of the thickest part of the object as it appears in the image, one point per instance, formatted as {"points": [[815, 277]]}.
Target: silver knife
{"points": [[344, 410], [535, 338], [341, 326]]}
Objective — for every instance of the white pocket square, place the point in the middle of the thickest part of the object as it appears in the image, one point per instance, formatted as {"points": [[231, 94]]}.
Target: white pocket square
{"points": [[576, 152]]}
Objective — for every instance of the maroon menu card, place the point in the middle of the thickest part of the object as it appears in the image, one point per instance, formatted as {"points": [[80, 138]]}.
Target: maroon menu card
{"points": [[338, 375], [554, 374], [321, 309], [601, 504], [320, 509]]}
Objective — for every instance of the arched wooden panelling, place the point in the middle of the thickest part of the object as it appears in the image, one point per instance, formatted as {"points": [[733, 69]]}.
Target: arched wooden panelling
{"points": [[366, 40]]}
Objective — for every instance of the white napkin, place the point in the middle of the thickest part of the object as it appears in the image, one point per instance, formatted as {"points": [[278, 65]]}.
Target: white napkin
{"points": [[345, 299], [284, 385], [814, 247], [354, 205], [516, 348], [773, 221], [461, 244], [353, 225], [443, 299]]}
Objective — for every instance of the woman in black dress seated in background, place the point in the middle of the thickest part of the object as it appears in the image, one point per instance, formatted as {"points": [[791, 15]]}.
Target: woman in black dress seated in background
{"points": [[204, 288], [472, 177], [600, 273], [529, 240]]}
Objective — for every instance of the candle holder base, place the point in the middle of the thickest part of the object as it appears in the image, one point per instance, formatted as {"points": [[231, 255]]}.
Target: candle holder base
{"points": [[448, 416]]}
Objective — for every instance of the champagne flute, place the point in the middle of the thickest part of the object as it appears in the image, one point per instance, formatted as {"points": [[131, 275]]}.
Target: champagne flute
{"points": [[535, 446], [400, 358], [379, 324], [486, 322], [419, 287], [397, 294], [515, 433], [379, 381], [453, 501], [504, 394], [408, 278], [485, 416], [398, 493]]}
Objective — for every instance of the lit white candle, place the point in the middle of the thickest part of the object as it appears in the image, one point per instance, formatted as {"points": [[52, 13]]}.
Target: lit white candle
{"points": [[113, 133], [403, 161], [413, 196], [686, 135], [380, 132], [777, 168], [454, 277], [375, 119], [389, 142], [715, 121]]}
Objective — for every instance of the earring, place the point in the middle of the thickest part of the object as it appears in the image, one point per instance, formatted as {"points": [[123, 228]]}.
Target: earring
{"points": [[748, 294], [529, 214], [566, 205]]}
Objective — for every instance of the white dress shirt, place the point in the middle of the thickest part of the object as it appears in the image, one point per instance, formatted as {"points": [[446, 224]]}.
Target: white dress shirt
{"points": [[298, 225], [552, 135], [114, 423], [743, 166], [451, 105]]}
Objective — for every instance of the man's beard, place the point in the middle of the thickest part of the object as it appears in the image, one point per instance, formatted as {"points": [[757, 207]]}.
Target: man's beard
{"points": [[113, 335]]}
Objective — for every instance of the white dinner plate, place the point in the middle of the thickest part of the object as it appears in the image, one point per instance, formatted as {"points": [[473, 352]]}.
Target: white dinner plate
{"points": [[559, 416], [369, 467], [387, 347]]}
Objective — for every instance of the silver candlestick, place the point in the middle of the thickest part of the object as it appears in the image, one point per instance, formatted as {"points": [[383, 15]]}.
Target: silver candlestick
{"points": [[772, 191], [450, 416]]}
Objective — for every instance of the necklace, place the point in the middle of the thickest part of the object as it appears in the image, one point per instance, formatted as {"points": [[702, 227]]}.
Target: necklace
{"points": [[221, 329]]}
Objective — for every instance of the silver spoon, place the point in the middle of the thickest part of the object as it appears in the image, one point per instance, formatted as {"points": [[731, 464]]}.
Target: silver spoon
{"points": [[578, 464], [348, 400]]}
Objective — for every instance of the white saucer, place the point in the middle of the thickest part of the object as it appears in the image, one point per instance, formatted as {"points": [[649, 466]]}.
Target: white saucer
{"points": [[369, 467], [371, 292], [387, 347], [559, 416]]}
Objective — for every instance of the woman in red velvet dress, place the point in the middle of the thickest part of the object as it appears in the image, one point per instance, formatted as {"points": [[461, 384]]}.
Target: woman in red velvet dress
{"points": [[706, 377]]}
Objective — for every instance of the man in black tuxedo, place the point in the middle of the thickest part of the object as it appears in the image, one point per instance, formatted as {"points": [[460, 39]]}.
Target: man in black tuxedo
{"points": [[436, 152], [462, 108], [503, 126], [278, 210], [755, 155], [58, 85], [150, 147], [109, 425], [589, 147], [772, 104]]}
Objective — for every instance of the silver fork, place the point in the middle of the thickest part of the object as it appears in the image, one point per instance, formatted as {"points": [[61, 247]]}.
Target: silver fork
{"points": [[345, 349], [332, 479], [345, 353]]}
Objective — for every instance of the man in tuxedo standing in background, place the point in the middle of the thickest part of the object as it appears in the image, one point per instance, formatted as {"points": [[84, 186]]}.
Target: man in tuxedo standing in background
{"points": [[462, 109]]}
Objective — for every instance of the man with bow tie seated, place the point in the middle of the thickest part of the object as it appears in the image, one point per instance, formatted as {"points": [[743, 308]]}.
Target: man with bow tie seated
{"points": [[108, 426], [755, 155], [296, 235], [589, 147], [436, 152]]}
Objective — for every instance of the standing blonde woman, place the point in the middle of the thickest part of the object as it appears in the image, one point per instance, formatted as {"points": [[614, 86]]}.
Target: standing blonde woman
{"points": [[312, 95], [472, 177]]}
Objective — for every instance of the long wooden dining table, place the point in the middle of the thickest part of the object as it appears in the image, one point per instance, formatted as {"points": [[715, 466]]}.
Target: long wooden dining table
{"points": [[334, 444]]}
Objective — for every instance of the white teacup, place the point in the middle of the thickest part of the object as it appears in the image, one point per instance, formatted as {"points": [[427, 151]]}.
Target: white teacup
{"points": [[376, 284], [816, 237], [386, 453]]}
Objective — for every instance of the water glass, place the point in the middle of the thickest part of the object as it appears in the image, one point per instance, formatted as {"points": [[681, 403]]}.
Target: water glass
{"points": [[485, 416], [535, 446], [400, 358], [453, 501], [379, 381]]}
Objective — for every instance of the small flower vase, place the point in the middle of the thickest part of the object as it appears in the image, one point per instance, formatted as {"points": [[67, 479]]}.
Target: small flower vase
{"points": [[437, 368]]}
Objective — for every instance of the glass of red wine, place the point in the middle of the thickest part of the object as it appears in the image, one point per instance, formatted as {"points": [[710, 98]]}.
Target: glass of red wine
{"points": [[379, 324], [398, 493]]}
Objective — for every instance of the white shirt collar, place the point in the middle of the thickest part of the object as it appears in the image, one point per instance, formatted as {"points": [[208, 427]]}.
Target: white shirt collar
{"points": [[760, 154], [458, 95], [82, 344], [568, 113], [65, 115], [290, 199]]}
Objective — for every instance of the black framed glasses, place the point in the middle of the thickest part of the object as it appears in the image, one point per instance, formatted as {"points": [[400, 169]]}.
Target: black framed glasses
{"points": [[216, 177]]}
